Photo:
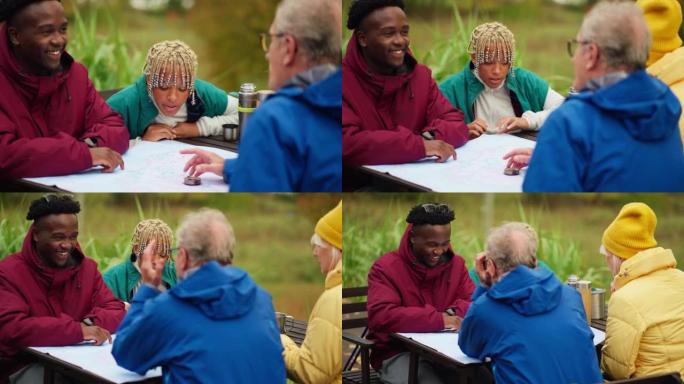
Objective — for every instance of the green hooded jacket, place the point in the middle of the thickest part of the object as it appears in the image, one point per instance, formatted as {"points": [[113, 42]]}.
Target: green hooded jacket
{"points": [[121, 278], [138, 111], [528, 91]]}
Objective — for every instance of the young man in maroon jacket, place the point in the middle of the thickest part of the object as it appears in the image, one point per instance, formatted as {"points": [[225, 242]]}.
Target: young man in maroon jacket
{"points": [[421, 287], [52, 120], [392, 109], [51, 294]]}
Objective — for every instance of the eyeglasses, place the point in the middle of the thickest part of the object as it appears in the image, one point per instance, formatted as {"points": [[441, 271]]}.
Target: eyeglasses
{"points": [[432, 207], [572, 45], [265, 39]]}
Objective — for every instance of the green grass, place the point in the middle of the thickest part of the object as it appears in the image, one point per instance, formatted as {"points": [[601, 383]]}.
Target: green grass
{"points": [[272, 233], [110, 60], [569, 227]]}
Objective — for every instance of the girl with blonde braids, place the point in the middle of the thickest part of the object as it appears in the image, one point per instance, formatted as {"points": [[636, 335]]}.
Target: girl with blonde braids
{"points": [[124, 279], [495, 96], [169, 102]]}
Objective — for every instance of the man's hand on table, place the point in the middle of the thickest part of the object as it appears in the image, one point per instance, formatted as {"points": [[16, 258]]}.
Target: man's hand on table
{"points": [[96, 334], [518, 158], [202, 162], [439, 148], [451, 321], [107, 158]]}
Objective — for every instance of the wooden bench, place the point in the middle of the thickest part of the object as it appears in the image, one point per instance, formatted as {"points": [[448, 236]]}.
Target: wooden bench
{"points": [[296, 330], [663, 378], [355, 316]]}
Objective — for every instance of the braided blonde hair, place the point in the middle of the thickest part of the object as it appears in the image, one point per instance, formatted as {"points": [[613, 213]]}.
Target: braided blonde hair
{"points": [[166, 61], [152, 229], [491, 42]]}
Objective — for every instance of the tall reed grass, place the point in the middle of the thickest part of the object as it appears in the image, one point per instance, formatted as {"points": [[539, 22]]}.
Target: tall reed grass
{"points": [[110, 60]]}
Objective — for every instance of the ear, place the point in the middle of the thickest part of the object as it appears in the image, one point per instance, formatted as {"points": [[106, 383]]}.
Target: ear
{"points": [[290, 47], [13, 35], [594, 57], [362, 38]]}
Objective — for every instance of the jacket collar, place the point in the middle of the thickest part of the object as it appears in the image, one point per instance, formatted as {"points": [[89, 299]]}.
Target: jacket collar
{"points": [[334, 277], [644, 263]]}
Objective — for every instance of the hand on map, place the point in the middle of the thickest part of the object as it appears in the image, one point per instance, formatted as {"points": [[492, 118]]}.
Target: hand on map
{"points": [[451, 322], [202, 162], [518, 158], [151, 270], [476, 128], [508, 124], [156, 132], [109, 159], [439, 148], [96, 334]]}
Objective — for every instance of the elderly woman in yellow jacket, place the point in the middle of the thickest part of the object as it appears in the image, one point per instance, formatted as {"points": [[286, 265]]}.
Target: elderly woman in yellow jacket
{"points": [[645, 330], [319, 359]]}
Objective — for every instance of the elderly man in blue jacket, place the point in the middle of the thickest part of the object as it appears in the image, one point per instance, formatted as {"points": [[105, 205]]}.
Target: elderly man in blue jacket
{"points": [[293, 142], [215, 326], [620, 132], [532, 327]]}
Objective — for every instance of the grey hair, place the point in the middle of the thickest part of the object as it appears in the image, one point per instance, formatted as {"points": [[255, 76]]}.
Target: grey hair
{"points": [[315, 25], [207, 235], [512, 244], [619, 29]]}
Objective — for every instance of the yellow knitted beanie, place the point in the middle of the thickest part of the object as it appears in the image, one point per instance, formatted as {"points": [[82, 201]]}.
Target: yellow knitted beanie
{"points": [[664, 17], [632, 231], [329, 227]]}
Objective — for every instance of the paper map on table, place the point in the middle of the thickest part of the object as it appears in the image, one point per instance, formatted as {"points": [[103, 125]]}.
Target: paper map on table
{"points": [[478, 167], [148, 167], [447, 343], [98, 360]]}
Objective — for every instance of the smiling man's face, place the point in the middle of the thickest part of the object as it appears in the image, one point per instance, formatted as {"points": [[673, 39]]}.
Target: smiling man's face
{"points": [[38, 35], [384, 39], [56, 237]]}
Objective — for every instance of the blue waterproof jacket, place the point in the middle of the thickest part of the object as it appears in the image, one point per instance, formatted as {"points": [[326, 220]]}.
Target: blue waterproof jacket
{"points": [[533, 328], [293, 142], [215, 326], [620, 138]]}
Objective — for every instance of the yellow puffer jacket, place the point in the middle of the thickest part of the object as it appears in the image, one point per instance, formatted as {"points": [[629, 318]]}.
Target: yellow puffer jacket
{"points": [[645, 330], [319, 359], [670, 70]]}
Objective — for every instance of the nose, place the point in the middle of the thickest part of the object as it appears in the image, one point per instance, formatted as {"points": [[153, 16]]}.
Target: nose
{"points": [[498, 68], [58, 39], [172, 95], [398, 40]]}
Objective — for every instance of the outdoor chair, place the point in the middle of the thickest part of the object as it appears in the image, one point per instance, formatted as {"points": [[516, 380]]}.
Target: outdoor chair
{"points": [[662, 378], [355, 315]]}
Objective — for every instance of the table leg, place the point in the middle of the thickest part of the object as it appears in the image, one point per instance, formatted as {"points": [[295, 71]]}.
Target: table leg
{"points": [[48, 376], [413, 368]]}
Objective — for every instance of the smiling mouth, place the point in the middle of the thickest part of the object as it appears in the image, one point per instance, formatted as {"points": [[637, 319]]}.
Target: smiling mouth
{"points": [[55, 53]]}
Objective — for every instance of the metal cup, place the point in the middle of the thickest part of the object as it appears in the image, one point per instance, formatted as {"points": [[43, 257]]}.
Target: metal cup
{"points": [[231, 132], [598, 303]]}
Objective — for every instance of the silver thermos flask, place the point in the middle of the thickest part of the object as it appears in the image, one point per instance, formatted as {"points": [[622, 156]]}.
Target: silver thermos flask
{"points": [[247, 102]]}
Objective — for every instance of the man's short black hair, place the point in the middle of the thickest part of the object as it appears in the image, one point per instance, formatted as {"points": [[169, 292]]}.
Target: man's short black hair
{"points": [[52, 204], [9, 7], [359, 9], [430, 213]]}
